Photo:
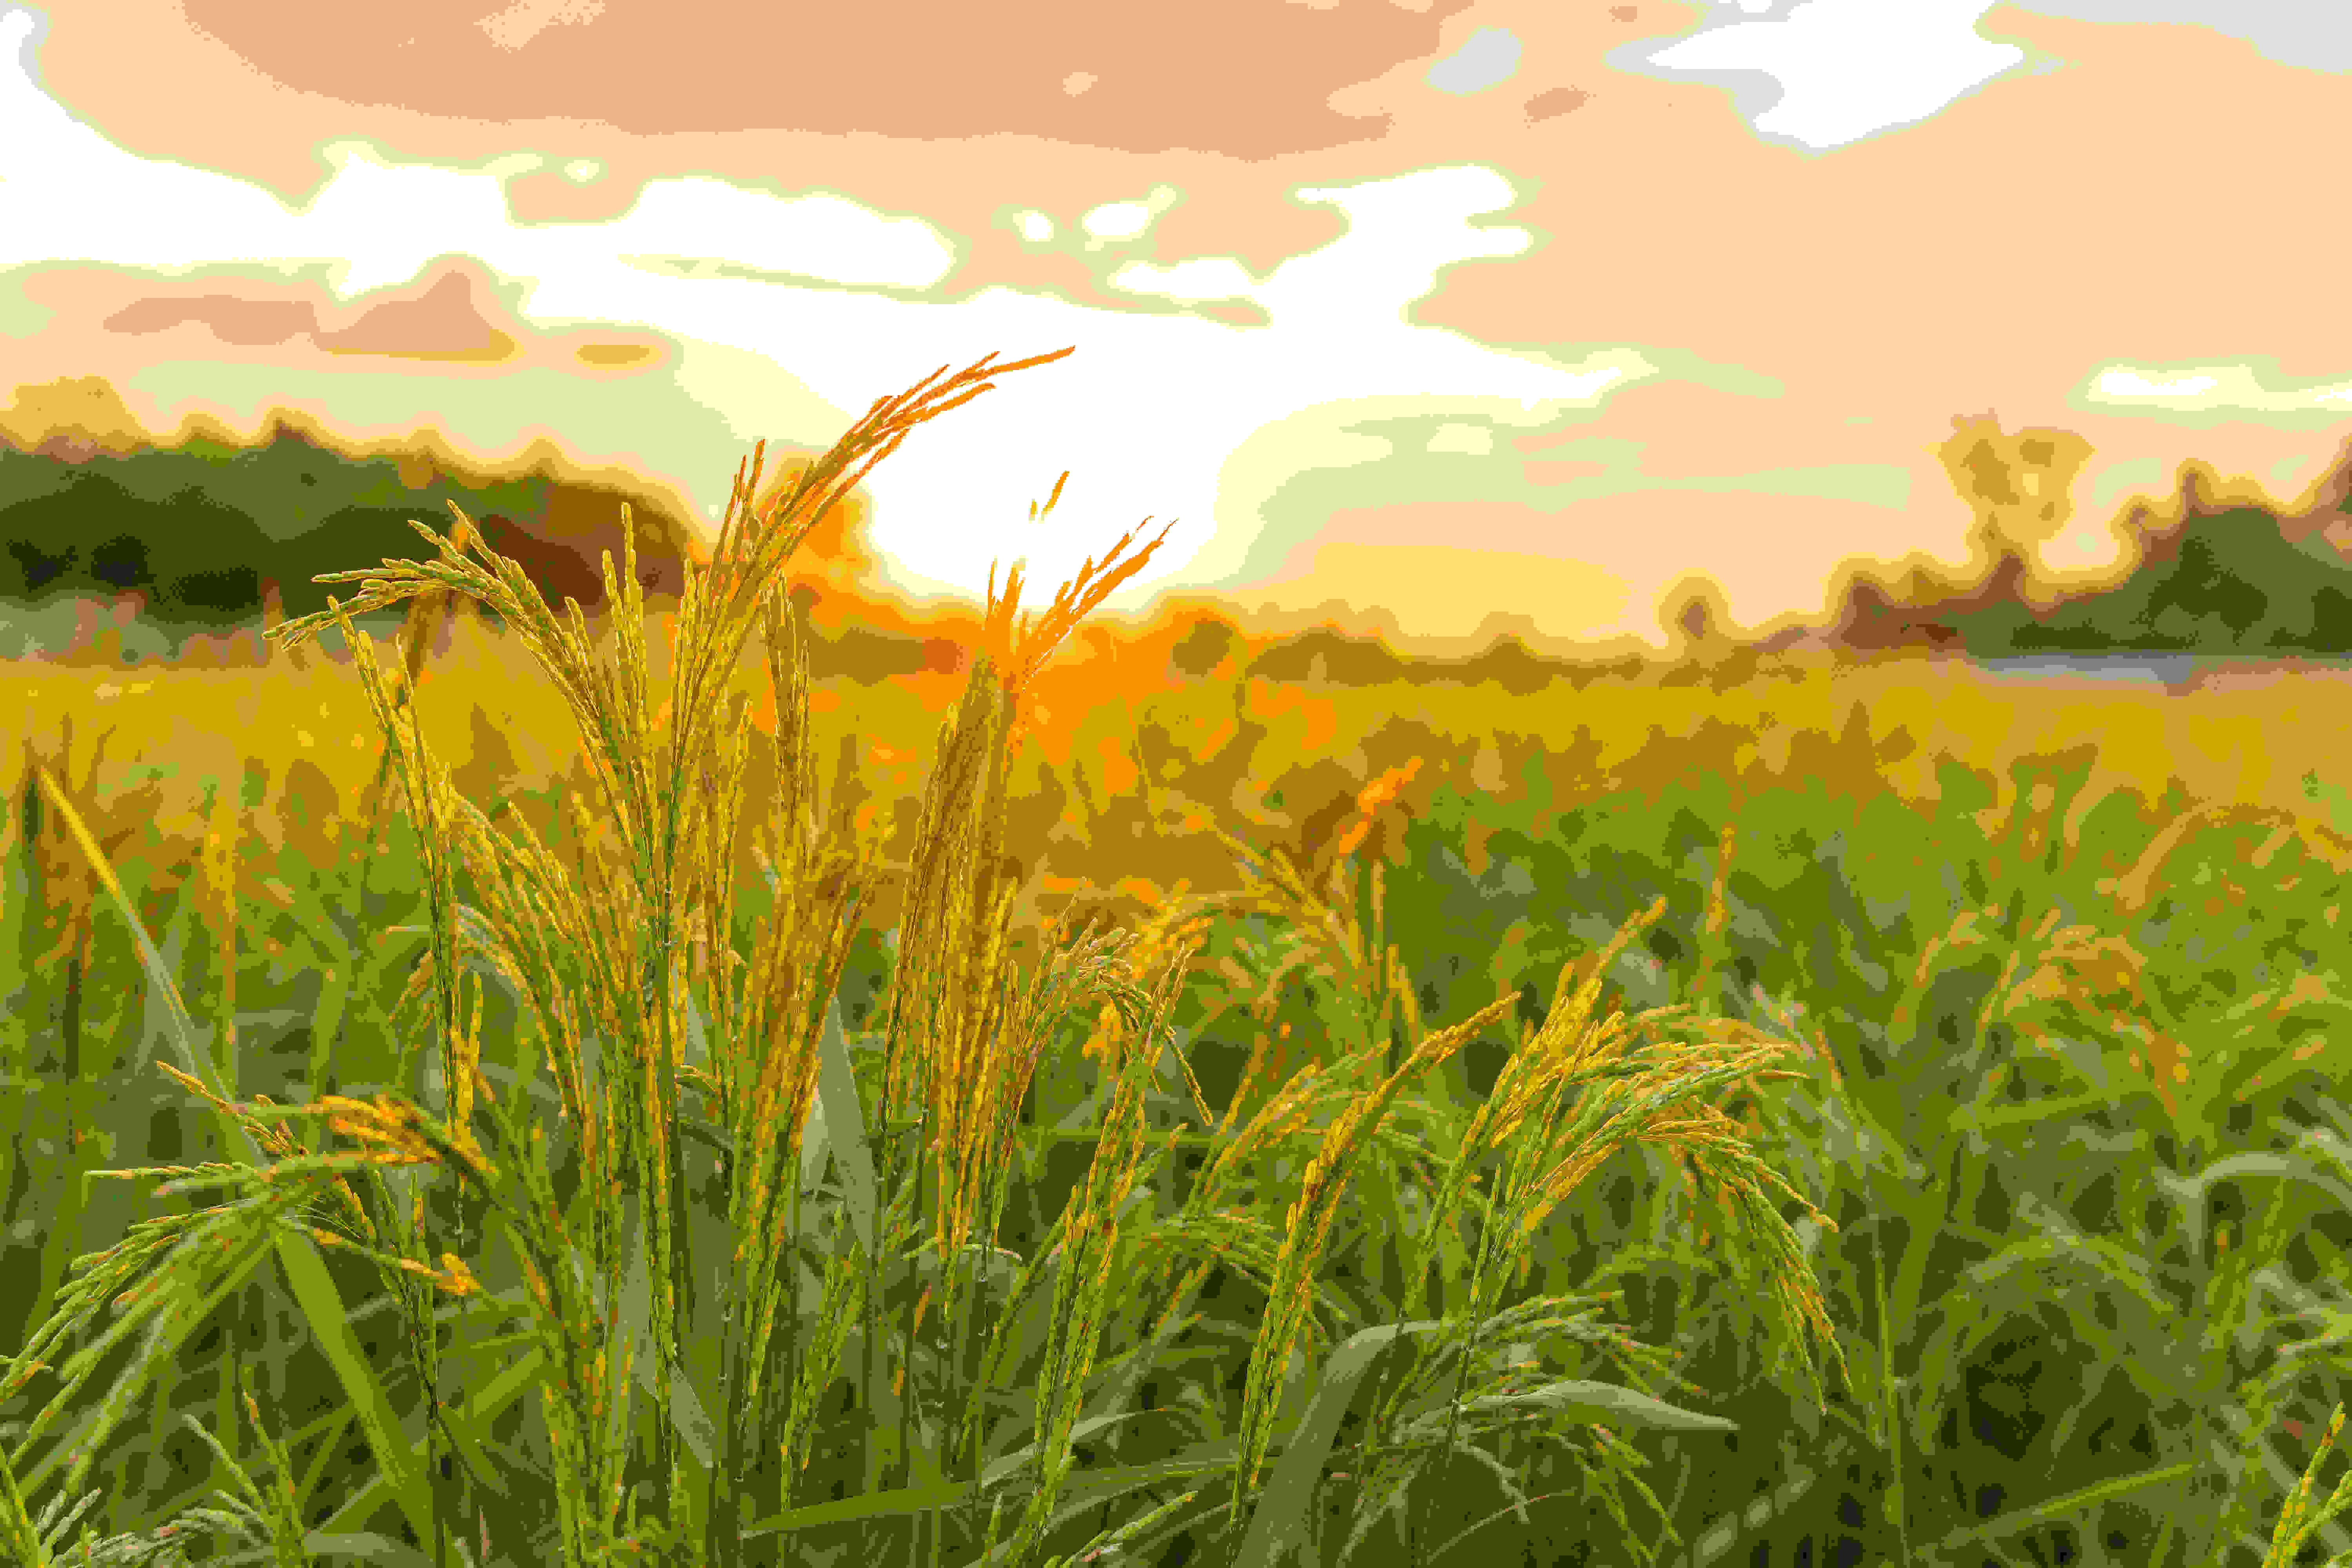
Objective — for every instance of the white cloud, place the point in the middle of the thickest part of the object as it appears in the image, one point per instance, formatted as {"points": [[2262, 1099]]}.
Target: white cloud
{"points": [[2240, 388], [1843, 69]]}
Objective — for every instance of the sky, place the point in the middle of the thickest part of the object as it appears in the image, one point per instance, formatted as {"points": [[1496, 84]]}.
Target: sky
{"points": [[1436, 318]]}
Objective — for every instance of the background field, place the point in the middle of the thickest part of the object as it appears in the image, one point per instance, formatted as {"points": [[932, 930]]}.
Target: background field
{"points": [[2068, 957]]}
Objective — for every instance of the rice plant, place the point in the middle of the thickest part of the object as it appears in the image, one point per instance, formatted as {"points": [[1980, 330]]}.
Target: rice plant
{"points": [[688, 1372]]}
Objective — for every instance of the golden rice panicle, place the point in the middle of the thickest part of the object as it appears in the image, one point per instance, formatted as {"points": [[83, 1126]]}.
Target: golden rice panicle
{"points": [[1091, 1249], [1171, 934], [950, 888], [1307, 1228], [799, 951], [1022, 651], [1565, 1042], [2298, 1520], [431, 611], [950, 991], [958, 840], [752, 546], [794, 746]]}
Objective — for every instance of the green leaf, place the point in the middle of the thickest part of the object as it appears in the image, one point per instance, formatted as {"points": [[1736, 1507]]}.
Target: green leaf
{"points": [[1598, 1402], [844, 1124], [2083, 1503], [1291, 1490]]}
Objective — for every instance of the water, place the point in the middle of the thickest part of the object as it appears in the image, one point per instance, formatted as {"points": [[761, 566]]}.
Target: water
{"points": [[2131, 668], [2172, 671]]}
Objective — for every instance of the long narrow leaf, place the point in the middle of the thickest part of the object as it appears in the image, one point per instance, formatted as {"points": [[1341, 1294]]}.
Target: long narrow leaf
{"points": [[1291, 1488], [836, 1094]]}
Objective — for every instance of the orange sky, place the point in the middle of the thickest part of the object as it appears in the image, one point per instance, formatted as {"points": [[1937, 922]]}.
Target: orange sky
{"points": [[1438, 317]]}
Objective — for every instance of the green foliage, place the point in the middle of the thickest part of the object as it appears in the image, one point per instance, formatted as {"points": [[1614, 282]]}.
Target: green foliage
{"points": [[199, 531], [2232, 585], [923, 1254]]}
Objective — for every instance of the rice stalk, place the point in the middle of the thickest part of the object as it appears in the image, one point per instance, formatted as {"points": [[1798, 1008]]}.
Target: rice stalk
{"points": [[635, 992]]}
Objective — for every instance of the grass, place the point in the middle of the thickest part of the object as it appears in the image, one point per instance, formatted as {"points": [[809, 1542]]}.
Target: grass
{"points": [[752, 1283]]}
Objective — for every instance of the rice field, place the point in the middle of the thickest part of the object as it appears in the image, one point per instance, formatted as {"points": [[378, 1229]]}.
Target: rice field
{"points": [[1725, 1160]]}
